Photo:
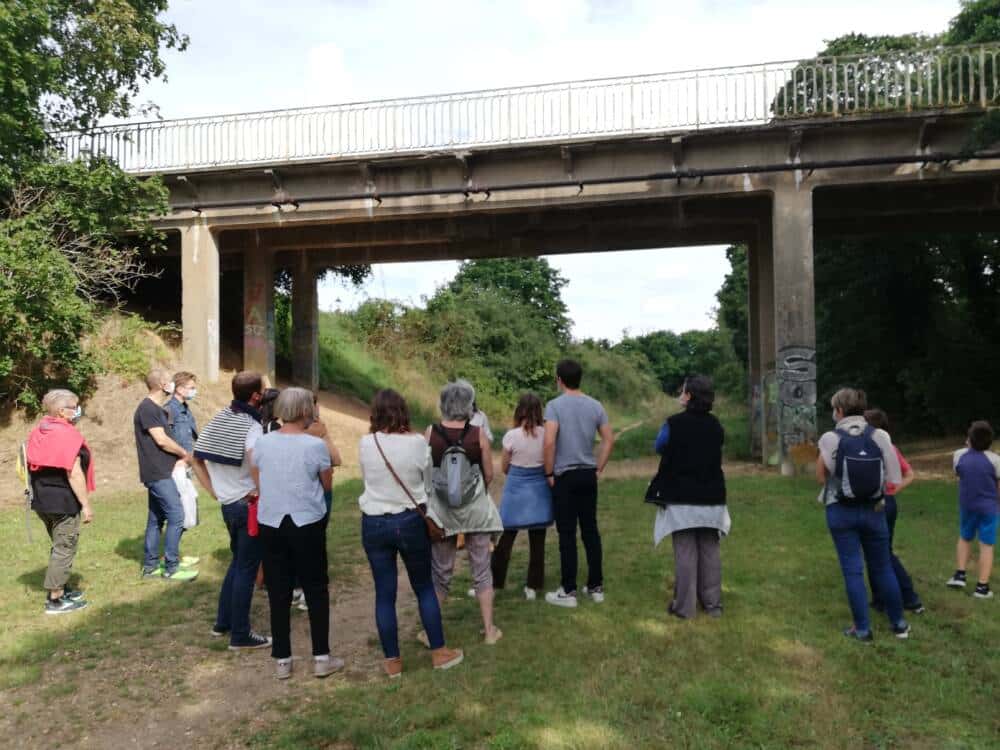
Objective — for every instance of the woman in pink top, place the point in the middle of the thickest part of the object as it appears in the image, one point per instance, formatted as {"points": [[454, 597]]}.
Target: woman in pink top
{"points": [[527, 498], [911, 600]]}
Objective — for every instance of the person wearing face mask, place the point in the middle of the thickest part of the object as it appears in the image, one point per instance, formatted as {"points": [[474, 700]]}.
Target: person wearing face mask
{"points": [[61, 473], [158, 455], [183, 427], [690, 490], [222, 456]]}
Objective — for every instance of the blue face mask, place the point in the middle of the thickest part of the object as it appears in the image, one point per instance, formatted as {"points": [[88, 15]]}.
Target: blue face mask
{"points": [[77, 414]]}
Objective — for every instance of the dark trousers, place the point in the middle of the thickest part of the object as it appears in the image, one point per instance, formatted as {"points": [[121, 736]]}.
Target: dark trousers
{"points": [[64, 531], [236, 595], [574, 499], [385, 539], [536, 558], [292, 552], [697, 572], [910, 597]]}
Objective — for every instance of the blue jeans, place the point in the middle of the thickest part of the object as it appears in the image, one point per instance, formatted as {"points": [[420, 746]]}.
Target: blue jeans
{"points": [[405, 534], [910, 597], [164, 508], [856, 529], [237, 587]]}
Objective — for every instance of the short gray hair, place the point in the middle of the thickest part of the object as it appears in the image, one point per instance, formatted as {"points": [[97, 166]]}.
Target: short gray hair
{"points": [[294, 404], [56, 399], [456, 401]]}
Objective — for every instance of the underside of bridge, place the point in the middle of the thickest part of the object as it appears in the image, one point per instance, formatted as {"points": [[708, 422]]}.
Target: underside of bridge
{"points": [[775, 189]]}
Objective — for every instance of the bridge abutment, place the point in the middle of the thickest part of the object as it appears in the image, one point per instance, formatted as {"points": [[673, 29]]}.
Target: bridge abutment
{"points": [[258, 312], [305, 324], [794, 324], [200, 299]]}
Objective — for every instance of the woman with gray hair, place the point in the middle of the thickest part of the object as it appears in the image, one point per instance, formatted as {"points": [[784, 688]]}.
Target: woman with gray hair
{"points": [[456, 487], [60, 477], [292, 469]]}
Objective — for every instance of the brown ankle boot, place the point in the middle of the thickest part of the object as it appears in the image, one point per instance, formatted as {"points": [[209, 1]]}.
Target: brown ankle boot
{"points": [[394, 667], [446, 658]]}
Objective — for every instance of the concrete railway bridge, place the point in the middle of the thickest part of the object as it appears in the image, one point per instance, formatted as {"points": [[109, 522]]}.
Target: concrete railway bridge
{"points": [[773, 155]]}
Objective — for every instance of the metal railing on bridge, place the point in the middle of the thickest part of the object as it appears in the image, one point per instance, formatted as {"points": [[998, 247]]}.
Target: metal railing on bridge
{"points": [[939, 79]]}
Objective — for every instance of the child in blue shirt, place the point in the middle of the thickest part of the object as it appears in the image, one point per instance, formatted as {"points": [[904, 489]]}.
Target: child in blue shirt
{"points": [[978, 469]]}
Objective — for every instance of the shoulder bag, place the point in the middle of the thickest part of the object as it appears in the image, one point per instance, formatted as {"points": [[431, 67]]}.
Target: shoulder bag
{"points": [[435, 532]]}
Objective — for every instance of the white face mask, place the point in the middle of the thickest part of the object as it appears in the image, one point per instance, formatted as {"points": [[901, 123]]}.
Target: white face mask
{"points": [[169, 388], [192, 393], [77, 414]]}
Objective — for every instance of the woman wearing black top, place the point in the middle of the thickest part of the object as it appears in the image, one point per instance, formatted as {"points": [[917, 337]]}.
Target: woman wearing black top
{"points": [[690, 490]]}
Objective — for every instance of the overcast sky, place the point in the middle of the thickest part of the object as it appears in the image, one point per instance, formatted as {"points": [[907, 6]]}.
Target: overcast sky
{"points": [[252, 55]]}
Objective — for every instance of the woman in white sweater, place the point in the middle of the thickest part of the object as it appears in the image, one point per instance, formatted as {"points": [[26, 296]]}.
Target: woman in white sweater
{"points": [[395, 463]]}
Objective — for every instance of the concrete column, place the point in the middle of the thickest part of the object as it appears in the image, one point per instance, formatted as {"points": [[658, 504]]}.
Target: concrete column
{"points": [[794, 326], [305, 325], [258, 313], [760, 282], [200, 300]]}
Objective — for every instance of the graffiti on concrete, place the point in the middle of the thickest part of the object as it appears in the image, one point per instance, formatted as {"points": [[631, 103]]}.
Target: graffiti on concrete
{"points": [[258, 323], [796, 370]]}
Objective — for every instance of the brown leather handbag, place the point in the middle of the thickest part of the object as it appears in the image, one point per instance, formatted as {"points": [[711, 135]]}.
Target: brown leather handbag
{"points": [[435, 532]]}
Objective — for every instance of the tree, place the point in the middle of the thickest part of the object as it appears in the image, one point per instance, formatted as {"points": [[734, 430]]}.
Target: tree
{"points": [[733, 300], [530, 281], [65, 64]]}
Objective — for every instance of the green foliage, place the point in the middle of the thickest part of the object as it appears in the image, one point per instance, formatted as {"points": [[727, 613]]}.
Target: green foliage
{"points": [[127, 344], [530, 281], [59, 255], [978, 21], [733, 298], [65, 64], [673, 356]]}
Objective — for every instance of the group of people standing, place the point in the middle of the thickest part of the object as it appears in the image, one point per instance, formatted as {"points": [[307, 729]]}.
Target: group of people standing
{"points": [[268, 459]]}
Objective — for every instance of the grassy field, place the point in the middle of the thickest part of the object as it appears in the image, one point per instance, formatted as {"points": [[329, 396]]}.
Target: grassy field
{"points": [[774, 672]]}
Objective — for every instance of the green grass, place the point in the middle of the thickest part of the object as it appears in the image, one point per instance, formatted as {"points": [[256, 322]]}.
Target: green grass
{"points": [[774, 672]]}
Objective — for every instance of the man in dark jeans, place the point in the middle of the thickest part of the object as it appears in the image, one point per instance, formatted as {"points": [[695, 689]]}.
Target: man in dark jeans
{"points": [[222, 465], [572, 421]]}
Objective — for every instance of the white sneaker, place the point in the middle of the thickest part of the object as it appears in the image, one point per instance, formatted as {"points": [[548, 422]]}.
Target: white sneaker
{"points": [[530, 594], [323, 666], [596, 593], [955, 582], [282, 668], [560, 598]]}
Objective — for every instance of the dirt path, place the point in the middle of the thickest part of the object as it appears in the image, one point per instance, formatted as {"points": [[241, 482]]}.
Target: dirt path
{"points": [[180, 694]]}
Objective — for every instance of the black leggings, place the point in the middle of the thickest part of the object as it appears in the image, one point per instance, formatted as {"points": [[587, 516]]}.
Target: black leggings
{"points": [[296, 552]]}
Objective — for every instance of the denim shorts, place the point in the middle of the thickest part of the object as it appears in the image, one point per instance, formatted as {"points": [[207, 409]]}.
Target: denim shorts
{"points": [[971, 522]]}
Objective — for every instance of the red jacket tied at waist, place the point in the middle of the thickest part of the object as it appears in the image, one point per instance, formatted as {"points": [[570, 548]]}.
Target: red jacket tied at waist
{"points": [[55, 443]]}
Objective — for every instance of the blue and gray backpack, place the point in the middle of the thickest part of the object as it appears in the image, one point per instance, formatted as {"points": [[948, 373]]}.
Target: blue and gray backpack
{"points": [[860, 468]]}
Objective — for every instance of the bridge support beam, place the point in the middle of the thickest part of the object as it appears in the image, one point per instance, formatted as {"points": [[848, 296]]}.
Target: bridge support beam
{"points": [[258, 313], [305, 324], [794, 325], [200, 300], [760, 282]]}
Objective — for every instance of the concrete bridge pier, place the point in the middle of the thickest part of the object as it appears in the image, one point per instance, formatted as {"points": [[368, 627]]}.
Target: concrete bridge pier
{"points": [[200, 299], [794, 323], [760, 309], [258, 312], [305, 324]]}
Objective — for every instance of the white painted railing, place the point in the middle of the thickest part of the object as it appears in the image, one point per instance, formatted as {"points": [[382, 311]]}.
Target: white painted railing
{"points": [[941, 78]]}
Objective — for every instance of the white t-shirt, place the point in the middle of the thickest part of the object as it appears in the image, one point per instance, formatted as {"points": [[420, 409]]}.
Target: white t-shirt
{"points": [[480, 420], [526, 450], [410, 456], [232, 483]]}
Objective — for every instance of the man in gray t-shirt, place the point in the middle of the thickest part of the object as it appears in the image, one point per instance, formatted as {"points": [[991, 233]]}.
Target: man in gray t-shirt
{"points": [[572, 422]]}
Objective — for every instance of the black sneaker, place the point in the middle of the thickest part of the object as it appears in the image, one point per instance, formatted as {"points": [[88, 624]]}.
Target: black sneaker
{"points": [[62, 606], [72, 594], [218, 632], [254, 640], [957, 581], [853, 634], [917, 609], [982, 591], [901, 631]]}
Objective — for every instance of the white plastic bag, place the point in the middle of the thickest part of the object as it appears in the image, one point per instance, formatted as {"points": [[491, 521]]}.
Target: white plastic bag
{"points": [[189, 496]]}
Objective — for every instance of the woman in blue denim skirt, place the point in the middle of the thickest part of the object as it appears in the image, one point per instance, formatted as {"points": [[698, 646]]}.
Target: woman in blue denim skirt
{"points": [[527, 497], [395, 463]]}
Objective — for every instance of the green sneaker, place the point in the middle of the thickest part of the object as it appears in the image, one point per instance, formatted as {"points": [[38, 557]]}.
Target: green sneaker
{"points": [[181, 574], [154, 573], [189, 561]]}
